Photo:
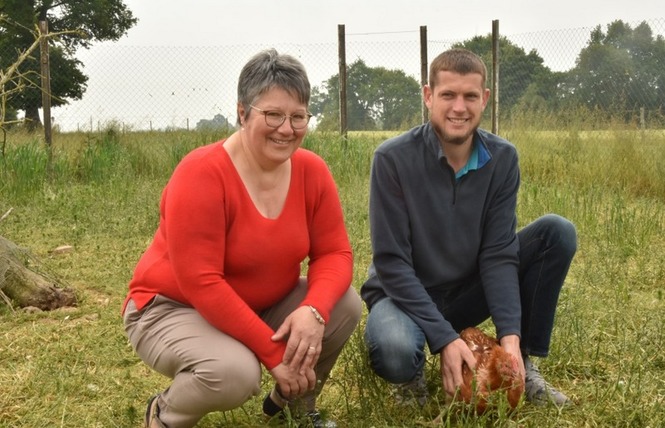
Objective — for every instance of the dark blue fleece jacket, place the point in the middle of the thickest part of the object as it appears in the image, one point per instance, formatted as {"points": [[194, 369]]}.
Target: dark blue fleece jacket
{"points": [[431, 232]]}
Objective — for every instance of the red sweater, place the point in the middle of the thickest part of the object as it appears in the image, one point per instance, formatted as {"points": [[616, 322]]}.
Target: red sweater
{"points": [[213, 250]]}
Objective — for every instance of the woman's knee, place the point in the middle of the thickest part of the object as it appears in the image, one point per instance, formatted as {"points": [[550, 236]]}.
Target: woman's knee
{"points": [[343, 321], [229, 382], [349, 308]]}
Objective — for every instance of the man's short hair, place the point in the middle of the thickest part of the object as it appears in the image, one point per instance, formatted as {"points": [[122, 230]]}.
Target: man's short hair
{"points": [[461, 61]]}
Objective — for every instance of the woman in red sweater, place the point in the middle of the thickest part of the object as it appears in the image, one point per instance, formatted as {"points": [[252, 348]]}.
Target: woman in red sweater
{"points": [[218, 292]]}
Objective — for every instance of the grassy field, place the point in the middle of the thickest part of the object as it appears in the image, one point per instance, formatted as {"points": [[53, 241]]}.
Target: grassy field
{"points": [[74, 368]]}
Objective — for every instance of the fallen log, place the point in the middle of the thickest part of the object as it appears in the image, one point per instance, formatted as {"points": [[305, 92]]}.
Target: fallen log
{"points": [[24, 285]]}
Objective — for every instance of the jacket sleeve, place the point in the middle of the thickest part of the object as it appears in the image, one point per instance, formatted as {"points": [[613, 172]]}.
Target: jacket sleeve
{"points": [[392, 261], [498, 261]]}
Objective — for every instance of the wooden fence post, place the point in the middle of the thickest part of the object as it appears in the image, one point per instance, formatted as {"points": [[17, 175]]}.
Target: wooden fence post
{"points": [[46, 81]]}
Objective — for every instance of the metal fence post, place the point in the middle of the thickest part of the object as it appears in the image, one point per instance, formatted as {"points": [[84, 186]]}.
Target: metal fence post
{"points": [[341, 40], [495, 76], [423, 68]]}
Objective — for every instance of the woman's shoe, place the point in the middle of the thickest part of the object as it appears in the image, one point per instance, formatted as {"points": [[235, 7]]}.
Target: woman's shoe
{"points": [[311, 419], [152, 414], [317, 421]]}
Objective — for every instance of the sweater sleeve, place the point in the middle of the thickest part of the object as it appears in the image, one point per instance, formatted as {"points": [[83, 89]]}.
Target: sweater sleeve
{"points": [[330, 267], [195, 226]]}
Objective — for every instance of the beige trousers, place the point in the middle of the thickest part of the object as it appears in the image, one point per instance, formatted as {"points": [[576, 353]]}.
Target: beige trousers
{"points": [[211, 371]]}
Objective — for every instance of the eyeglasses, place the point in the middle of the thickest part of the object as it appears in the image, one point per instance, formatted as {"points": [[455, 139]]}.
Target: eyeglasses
{"points": [[275, 119]]}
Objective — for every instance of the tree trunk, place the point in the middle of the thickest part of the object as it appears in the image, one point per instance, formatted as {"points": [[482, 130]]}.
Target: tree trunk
{"points": [[24, 286], [32, 119]]}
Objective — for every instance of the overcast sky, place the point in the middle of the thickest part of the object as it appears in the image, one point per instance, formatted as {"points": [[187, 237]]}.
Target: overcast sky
{"points": [[217, 22]]}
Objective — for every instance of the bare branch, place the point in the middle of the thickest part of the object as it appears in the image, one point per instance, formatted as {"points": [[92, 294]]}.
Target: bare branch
{"points": [[12, 73]]}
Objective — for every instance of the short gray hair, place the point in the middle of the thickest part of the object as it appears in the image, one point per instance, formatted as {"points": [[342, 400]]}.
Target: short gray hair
{"points": [[267, 70]]}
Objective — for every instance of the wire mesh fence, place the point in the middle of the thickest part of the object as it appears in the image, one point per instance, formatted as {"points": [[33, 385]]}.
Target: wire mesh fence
{"points": [[180, 87]]}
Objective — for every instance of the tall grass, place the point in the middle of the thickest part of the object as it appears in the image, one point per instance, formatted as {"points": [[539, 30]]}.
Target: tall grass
{"points": [[74, 368]]}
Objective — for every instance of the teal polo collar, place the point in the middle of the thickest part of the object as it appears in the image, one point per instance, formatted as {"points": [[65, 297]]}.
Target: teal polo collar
{"points": [[479, 157]]}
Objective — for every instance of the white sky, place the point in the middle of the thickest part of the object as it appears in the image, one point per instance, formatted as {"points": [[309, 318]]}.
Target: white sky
{"points": [[204, 43], [218, 22]]}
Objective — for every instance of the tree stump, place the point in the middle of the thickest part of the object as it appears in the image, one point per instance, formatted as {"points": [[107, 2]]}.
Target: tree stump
{"points": [[24, 285]]}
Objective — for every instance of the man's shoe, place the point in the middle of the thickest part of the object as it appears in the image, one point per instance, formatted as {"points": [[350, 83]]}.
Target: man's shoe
{"points": [[414, 391], [537, 391]]}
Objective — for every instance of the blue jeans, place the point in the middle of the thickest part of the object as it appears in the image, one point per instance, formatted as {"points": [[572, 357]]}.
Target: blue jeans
{"points": [[397, 345]]}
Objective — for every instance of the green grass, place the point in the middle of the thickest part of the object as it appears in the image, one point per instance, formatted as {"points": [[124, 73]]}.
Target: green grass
{"points": [[74, 368]]}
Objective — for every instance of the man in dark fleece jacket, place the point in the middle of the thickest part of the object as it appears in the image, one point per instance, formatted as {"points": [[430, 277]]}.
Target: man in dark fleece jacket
{"points": [[446, 254]]}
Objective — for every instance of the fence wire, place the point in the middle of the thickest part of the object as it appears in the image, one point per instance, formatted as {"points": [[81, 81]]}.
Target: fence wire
{"points": [[177, 87]]}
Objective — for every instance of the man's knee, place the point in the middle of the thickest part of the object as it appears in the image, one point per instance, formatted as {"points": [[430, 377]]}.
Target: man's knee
{"points": [[394, 359], [563, 233]]}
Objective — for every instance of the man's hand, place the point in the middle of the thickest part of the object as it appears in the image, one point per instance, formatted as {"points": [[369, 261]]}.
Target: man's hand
{"points": [[453, 356], [511, 344]]}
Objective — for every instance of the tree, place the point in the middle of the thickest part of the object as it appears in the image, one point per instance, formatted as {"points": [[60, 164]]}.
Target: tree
{"points": [[217, 123], [621, 69], [12, 82], [544, 94], [518, 71], [377, 99], [99, 20]]}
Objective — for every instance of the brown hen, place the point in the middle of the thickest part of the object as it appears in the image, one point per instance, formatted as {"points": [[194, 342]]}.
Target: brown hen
{"points": [[496, 370]]}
